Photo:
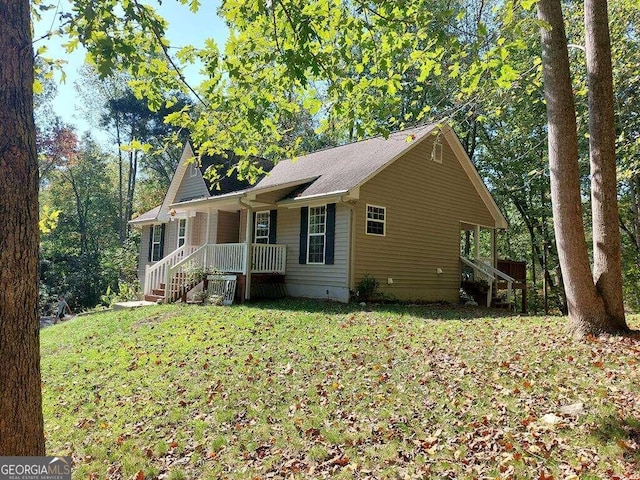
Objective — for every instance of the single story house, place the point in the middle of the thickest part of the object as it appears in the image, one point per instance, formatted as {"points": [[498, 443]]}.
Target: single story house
{"points": [[391, 208]]}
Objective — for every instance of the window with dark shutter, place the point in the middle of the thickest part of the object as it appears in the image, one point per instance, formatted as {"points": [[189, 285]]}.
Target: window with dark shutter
{"points": [[330, 234], [273, 226], [150, 243], [304, 225], [156, 242], [317, 234]]}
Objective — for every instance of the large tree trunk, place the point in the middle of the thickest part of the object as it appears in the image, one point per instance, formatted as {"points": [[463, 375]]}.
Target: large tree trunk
{"points": [[585, 306], [607, 262], [21, 424]]}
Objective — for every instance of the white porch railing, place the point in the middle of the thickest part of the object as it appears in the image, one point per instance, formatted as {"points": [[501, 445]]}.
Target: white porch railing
{"points": [[155, 274], [224, 258], [267, 258]]}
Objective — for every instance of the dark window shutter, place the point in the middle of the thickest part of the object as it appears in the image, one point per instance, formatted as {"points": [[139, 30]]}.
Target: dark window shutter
{"points": [[304, 225], [273, 226], [164, 225], [330, 234], [150, 242], [254, 227]]}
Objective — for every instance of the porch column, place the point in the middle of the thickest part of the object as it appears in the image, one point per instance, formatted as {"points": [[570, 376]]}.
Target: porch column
{"points": [[248, 253]]}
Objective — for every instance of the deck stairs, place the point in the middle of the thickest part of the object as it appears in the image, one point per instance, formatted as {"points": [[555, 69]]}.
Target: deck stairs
{"points": [[494, 279]]}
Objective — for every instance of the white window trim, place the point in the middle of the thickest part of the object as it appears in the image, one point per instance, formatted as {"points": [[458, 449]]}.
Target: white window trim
{"points": [[156, 245], [367, 219], [193, 171], [324, 234], [255, 227], [178, 237]]}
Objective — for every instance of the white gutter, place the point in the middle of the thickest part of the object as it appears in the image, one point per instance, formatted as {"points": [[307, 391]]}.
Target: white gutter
{"points": [[319, 198]]}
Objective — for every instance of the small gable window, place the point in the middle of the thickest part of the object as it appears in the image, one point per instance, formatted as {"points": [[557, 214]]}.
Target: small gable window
{"points": [[263, 222], [376, 220], [193, 168], [317, 230], [436, 155]]}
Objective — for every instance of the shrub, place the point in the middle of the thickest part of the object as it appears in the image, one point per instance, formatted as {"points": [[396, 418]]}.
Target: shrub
{"points": [[367, 288]]}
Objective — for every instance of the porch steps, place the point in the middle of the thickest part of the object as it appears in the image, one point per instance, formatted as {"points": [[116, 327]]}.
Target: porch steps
{"points": [[157, 294]]}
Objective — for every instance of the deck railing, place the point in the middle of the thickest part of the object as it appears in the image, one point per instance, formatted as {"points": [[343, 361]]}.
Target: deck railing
{"points": [[268, 258], [155, 274]]}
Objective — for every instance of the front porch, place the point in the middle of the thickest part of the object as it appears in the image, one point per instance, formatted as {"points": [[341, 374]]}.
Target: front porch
{"points": [[181, 270]]}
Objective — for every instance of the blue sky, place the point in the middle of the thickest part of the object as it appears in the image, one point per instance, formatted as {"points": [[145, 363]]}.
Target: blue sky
{"points": [[185, 28]]}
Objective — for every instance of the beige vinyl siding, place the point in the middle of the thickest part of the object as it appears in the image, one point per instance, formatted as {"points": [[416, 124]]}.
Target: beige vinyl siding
{"points": [[143, 259], [425, 202], [228, 227], [315, 280], [170, 237], [144, 253], [191, 187], [199, 229], [213, 226]]}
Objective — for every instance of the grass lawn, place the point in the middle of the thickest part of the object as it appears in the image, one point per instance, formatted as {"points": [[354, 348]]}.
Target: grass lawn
{"points": [[313, 390]]}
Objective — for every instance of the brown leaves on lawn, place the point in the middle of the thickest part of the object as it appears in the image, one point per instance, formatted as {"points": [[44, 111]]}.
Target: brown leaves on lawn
{"points": [[379, 394]]}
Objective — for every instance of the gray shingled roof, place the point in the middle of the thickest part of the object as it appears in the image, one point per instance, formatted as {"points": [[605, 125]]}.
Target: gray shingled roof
{"points": [[337, 169], [227, 184], [345, 167], [149, 216]]}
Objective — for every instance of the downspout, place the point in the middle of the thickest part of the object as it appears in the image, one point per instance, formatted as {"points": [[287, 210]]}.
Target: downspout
{"points": [[248, 235]]}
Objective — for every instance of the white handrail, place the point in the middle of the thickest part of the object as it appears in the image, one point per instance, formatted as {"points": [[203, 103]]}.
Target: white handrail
{"points": [[155, 274], [171, 287], [505, 277], [485, 272], [497, 272], [223, 257]]}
